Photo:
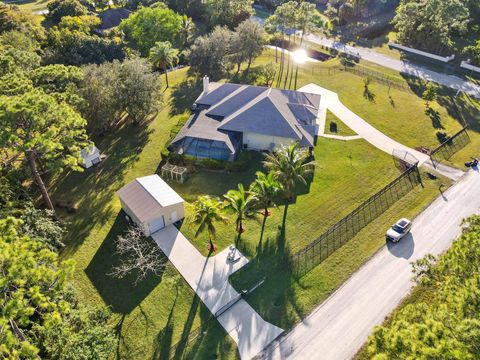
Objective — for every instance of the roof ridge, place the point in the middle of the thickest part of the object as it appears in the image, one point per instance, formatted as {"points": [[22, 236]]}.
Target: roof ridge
{"points": [[228, 97], [286, 117], [148, 192], [247, 106]]}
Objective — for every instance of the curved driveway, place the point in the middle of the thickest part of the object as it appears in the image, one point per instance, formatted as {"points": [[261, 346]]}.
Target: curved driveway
{"points": [[330, 100]]}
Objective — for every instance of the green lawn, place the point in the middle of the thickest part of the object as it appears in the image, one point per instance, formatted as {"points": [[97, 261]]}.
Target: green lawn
{"points": [[159, 311], [29, 5], [342, 180], [400, 114], [335, 126], [284, 299]]}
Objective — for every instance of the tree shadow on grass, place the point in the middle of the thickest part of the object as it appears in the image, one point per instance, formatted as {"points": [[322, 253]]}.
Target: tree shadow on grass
{"points": [[205, 341], [275, 300], [163, 342], [434, 115], [183, 95], [91, 190], [120, 294], [463, 109], [250, 77]]}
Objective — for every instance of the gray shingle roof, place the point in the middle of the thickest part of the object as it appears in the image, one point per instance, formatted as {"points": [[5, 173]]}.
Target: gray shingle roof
{"points": [[201, 126], [262, 117], [256, 109], [217, 93], [112, 17]]}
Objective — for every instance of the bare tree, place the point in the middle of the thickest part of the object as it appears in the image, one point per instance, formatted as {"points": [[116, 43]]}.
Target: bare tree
{"points": [[138, 255]]}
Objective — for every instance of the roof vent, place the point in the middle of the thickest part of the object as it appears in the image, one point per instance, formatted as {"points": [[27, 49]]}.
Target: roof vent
{"points": [[206, 82]]}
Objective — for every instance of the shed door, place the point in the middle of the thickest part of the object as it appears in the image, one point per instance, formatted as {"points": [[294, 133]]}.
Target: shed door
{"points": [[156, 224]]}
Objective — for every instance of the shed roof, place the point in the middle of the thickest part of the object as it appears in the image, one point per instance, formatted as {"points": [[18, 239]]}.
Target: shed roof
{"points": [[147, 195], [89, 151]]}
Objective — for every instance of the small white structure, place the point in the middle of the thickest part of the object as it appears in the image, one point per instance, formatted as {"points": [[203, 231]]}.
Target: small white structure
{"points": [[466, 65], [151, 203], [444, 59], [91, 156]]}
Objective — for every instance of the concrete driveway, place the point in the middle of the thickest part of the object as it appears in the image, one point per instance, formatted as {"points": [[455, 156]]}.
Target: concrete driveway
{"points": [[208, 277], [330, 100], [338, 327]]}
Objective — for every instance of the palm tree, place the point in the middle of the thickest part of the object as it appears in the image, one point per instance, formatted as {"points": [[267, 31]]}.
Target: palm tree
{"points": [[187, 30], [241, 202], [265, 188], [207, 211], [163, 56], [290, 166]]}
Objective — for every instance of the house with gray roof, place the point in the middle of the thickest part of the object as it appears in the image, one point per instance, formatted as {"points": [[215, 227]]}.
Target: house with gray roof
{"points": [[229, 117]]}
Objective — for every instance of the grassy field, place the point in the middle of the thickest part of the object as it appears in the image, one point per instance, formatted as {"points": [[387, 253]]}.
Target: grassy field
{"points": [[152, 316], [335, 126], [284, 299], [29, 5], [341, 181], [400, 114]]}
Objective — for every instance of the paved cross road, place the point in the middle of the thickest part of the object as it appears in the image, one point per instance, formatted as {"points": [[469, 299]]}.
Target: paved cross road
{"points": [[338, 327], [407, 67], [404, 66]]}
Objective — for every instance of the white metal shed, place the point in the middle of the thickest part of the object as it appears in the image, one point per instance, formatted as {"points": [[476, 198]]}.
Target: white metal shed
{"points": [[151, 203], [90, 156]]}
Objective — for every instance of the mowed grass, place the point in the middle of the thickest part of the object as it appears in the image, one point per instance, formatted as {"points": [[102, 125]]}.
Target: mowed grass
{"points": [[29, 5], [154, 315], [284, 299], [342, 180], [335, 126], [400, 114]]}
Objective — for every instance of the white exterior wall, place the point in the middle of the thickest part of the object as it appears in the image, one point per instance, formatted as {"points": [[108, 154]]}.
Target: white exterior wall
{"points": [[88, 158], [166, 212], [264, 142]]}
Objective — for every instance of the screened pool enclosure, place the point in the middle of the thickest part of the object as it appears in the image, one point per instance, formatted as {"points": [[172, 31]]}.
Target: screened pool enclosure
{"points": [[204, 148]]}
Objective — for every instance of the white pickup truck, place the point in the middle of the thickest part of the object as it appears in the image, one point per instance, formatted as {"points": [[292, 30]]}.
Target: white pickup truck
{"points": [[399, 230]]}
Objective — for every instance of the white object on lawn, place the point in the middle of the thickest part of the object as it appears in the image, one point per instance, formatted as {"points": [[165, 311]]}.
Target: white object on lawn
{"points": [[91, 156]]}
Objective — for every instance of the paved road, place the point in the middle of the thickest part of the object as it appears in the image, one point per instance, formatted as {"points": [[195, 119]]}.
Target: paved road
{"points": [[407, 67], [208, 277], [339, 327]]}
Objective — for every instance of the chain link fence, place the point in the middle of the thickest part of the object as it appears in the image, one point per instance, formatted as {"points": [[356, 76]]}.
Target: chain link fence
{"points": [[344, 230], [318, 250], [449, 147], [376, 76]]}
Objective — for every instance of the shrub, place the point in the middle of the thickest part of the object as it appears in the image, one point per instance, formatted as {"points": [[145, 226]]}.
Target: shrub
{"points": [[442, 137]]}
